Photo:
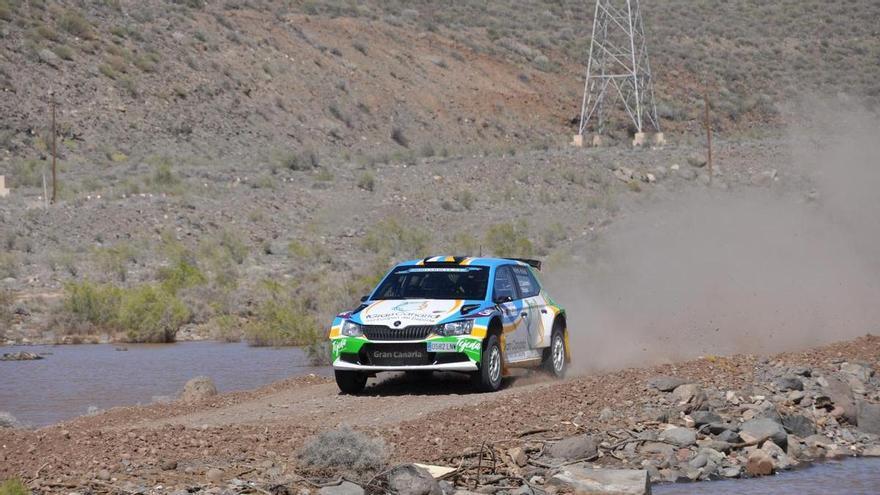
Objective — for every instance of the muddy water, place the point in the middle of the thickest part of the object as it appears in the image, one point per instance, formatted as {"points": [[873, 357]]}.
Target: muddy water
{"points": [[73, 378], [847, 477]]}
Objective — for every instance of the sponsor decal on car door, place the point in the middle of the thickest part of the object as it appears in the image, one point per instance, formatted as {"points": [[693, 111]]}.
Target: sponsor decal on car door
{"points": [[530, 291]]}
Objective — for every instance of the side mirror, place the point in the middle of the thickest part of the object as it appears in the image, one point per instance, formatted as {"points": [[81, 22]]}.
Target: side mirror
{"points": [[502, 299], [364, 298]]}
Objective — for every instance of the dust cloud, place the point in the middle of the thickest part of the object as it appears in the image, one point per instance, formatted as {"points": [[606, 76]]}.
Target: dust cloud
{"points": [[755, 270]]}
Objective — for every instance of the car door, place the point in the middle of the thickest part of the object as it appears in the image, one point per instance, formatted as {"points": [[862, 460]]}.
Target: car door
{"points": [[534, 305], [515, 317]]}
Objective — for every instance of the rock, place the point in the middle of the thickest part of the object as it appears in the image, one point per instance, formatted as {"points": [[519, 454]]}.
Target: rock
{"points": [[788, 383], [682, 437], [705, 417], [20, 356], [344, 488], [686, 173], [798, 425], [518, 455], [728, 436], [819, 441], [409, 479], [197, 389], [624, 174], [572, 448], [872, 451], [756, 431], [796, 396], [8, 420], [731, 472], [868, 418], [764, 178], [860, 371], [666, 383], [689, 395], [841, 396], [802, 371], [214, 475], [48, 57], [697, 160], [698, 461], [168, 465], [760, 463], [606, 414], [664, 449], [586, 481], [103, 475]]}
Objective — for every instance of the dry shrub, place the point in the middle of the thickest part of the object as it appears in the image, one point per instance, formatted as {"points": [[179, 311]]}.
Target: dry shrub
{"points": [[344, 450]]}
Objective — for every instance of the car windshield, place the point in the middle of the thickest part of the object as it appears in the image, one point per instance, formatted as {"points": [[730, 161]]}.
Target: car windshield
{"points": [[414, 282]]}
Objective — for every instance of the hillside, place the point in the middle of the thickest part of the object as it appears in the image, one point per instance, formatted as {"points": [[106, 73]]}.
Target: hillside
{"points": [[220, 158], [249, 81]]}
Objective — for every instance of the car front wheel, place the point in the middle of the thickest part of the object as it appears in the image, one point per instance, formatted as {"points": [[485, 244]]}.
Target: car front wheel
{"points": [[488, 379], [350, 382]]}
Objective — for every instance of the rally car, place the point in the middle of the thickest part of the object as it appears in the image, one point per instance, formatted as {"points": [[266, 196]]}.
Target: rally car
{"points": [[481, 316]]}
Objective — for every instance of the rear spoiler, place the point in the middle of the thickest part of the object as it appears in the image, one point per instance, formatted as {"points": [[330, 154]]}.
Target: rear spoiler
{"points": [[536, 264]]}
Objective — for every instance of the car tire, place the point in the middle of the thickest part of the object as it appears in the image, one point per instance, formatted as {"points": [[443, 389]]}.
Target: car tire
{"points": [[488, 379], [554, 361], [350, 382]]}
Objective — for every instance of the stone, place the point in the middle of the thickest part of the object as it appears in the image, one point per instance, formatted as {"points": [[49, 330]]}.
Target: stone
{"points": [[663, 449], [705, 417], [690, 395], [20, 356], [872, 451], [819, 441], [697, 160], [728, 436], [731, 472], [788, 383], [802, 371], [666, 383], [760, 463], [698, 461], [518, 455], [7, 420], [344, 488], [103, 475], [168, 465], [681, 437], [572, 448], [798, 425], [868, 419], [860, 371], [214, 475], [197, 389], [756, 431], [587, 481], [409, 479], [841, 396], [49, 58], [686, 173]]}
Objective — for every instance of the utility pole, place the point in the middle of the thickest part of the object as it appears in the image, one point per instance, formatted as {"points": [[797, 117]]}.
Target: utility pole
{"points": [[54, 151], [618, 69], [708, 124]]}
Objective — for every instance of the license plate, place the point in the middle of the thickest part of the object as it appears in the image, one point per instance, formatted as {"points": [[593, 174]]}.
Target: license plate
{"points": [[441, 346]]}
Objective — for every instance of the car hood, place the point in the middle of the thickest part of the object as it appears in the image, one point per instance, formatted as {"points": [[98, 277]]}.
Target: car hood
{"points": [[409, 312]]}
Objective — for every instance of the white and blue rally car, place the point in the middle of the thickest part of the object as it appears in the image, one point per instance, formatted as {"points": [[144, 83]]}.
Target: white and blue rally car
{"points": [[481, 316]]}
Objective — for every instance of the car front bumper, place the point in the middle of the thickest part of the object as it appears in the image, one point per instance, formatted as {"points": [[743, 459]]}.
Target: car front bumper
{"points": [[462, 366]]}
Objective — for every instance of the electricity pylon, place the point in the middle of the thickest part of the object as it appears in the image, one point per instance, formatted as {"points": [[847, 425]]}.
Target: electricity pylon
{"points": [[618, 69]]}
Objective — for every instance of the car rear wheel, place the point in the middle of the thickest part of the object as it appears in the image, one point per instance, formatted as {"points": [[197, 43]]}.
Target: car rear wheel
{"points": [[488, 379], [554, 356], [350, 382]]}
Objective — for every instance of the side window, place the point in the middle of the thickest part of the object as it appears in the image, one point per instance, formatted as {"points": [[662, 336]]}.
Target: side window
{"points": [[503, 286], [528, 286]]}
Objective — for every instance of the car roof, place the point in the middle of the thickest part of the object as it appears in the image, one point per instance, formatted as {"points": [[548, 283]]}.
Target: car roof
{"points": [[464, 261]]}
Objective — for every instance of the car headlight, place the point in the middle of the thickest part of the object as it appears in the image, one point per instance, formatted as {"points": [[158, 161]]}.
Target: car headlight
{"points": [[351, 329], [456, 328]]}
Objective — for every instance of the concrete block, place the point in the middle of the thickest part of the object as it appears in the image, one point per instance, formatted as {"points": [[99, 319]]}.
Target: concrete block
{"points": [[3, 191], [578, 140], [639, 139]]}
